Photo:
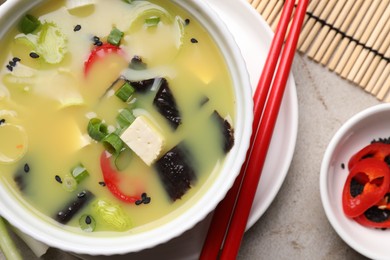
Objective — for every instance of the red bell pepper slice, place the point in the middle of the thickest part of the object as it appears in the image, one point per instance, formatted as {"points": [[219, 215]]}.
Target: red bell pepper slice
{"points": [[375, 150], [100, 52], [364, 221], [111, 180], [381, 210], [374, 175]]}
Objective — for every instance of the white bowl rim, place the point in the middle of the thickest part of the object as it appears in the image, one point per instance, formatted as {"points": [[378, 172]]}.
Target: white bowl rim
{"points": [[39, 229], [349, 124]]}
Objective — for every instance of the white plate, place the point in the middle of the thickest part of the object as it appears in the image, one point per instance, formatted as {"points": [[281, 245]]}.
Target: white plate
{"points": [[253, 36], [356, 133]]}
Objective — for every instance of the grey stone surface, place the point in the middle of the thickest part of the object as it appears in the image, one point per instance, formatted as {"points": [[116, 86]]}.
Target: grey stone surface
{"points": [[295, 226]]}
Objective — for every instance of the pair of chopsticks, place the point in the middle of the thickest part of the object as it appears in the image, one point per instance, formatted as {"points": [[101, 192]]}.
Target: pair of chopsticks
{"points": [[231, 215]]}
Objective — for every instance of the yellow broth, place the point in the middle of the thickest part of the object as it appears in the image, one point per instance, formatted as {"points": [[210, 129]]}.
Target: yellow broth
{"points": [[51, 104]]}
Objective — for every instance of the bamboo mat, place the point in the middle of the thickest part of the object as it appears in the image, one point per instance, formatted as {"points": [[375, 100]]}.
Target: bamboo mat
{"points": [[349, 37]]}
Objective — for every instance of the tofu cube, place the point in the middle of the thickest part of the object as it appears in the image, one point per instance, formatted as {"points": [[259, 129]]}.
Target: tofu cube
{"points": [[144, 139]]}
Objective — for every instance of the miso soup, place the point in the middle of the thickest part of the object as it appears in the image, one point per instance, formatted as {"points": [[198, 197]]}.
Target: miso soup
{"points": [[113, 114]]}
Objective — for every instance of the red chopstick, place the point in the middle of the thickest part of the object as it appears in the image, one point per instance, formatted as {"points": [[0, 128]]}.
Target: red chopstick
{"points": [[231, 215]]}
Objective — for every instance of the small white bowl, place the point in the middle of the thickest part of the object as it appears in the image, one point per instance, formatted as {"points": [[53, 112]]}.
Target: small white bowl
{"points": [[58, 237], [357, 132]]}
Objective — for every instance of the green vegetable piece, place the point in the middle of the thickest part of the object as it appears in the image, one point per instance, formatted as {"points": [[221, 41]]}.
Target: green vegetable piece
{"points": [[127, 1], [123, 159], [115, 37], [87, 223], [112, 215], [7, 245], [125, 91], [52, 43], [152, 21], [29, 24], [125, 118], [69, 183], [97, 130], [113, 143], [79, 173]]}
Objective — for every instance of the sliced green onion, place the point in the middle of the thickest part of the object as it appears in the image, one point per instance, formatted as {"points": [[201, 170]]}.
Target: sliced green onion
{"points": [[97, 130], [79, 173], [87, 223], [125, 92], [122, 160], [115, 37], [152, 21], [113, 143], [125, 118], [28, 24], [69, 183]]}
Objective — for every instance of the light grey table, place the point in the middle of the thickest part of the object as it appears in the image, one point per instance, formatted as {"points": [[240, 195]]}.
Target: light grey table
{"points": [[295, 225]]}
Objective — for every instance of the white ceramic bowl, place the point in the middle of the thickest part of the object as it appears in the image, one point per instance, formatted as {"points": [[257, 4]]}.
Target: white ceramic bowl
{"points": [[55, 236], [357, 132]]}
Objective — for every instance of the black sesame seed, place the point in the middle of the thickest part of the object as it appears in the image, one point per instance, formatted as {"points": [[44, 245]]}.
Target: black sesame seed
{"points": [[16, 59], [147, 200], [102, 183], [99, 43], [138, 202], [34, 55], [9, 67], [2, 121], [95, 39], [187, 21], [193, 40], [81, 194], [343, 166], [12, 63], [26, 168], [88, 220], [77, 28], [58, 179]]}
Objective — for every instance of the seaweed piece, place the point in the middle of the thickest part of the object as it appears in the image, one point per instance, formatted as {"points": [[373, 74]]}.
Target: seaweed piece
{"points": [[137, 63], [142, 85], [74, 206], [20, 176], [166, 104], [176, 171], [227, 131]]}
